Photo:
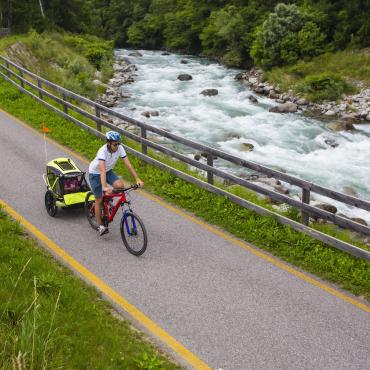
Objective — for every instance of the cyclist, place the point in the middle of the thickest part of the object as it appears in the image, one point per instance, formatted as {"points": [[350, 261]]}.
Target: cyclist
{"points": [[101, 173]]}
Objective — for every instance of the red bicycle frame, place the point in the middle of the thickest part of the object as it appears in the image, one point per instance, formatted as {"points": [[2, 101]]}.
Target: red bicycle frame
{"points": [[110, 213]]}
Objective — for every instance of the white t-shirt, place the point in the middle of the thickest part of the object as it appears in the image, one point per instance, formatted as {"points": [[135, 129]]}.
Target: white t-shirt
{"points": [[105, 155]]}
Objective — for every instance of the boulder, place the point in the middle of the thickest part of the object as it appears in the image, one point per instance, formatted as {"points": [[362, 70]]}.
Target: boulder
{"points": [[136, 54], [247, 147], [99, 83], [184, 77], [272, 94], [122, 58], [348, 118], [259, 90], [209, 92], [239, 76], [267, 181], [368, 118], [359, 220], [197, 156], [253, 99], [331, 142], [125, 95], [287, 107], [330, 113], [231, 136], [118, 68], [253, 80], [302, 101], [349, 191], [281, 189], [165, 53], [327, 207], [149, 114], [340, 126], [184, 61], [146, 114]]}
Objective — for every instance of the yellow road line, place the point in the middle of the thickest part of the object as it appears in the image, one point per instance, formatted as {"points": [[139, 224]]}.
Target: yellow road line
{"points": [[228, 237], [108, 291]]}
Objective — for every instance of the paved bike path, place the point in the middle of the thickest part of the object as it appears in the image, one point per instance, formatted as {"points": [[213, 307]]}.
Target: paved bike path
{"points": [[229, 307]]}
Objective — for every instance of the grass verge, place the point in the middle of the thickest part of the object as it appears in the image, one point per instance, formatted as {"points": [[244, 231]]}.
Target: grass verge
{"points": [[50, 319], [299, 249]]}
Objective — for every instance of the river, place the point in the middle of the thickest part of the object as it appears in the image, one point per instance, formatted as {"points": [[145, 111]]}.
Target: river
{"points": [[289, 142]]}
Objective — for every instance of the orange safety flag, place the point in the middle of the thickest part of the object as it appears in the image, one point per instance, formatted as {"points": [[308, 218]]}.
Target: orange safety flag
{"points": [[44, 129]]}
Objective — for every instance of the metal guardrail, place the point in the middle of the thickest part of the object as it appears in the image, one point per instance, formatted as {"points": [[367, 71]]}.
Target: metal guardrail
{"points": [[12, 72]]}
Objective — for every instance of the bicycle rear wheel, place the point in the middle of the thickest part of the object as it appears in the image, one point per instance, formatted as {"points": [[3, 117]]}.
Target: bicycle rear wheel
{"points": [[133, 233], [90, 210]]}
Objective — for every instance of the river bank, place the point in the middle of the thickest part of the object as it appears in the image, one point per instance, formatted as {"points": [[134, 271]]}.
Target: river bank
{"points": [[347, 111]]}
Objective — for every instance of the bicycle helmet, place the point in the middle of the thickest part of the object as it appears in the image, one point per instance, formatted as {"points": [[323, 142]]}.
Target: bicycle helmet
{"points": [[113, 136]]}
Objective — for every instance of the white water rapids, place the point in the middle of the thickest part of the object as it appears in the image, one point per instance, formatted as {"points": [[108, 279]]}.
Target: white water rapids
{"points": [[289, 142]]}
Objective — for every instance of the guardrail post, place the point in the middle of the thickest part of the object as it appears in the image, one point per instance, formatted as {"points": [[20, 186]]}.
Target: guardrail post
{"points": [[144, 148], [305, 199], [39, 84], [210, 173], [97, 114], [20, 78], [65, 107], [7, 66]]}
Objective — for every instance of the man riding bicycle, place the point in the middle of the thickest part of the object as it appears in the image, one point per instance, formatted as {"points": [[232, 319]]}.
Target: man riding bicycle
{"points": [[101, 173]]}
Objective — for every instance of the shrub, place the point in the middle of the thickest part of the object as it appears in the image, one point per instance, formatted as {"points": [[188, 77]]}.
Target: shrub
{"points": [[324, 86]]}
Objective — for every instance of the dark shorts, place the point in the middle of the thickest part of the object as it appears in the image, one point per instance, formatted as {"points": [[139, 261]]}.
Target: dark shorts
{"points": [[95, 182]]}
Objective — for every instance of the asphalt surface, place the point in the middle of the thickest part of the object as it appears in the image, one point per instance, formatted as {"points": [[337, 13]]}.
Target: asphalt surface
{"points": [[229, 307]]}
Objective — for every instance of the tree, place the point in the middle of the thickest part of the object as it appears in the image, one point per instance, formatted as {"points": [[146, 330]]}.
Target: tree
{"points": [[286, 36]]}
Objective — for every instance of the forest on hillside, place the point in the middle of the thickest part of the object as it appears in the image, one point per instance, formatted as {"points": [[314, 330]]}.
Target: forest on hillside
{"points": [[236, 32]]}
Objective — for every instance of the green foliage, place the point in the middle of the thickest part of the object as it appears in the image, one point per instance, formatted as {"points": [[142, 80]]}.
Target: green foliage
{"points": [[324, 86], [351, 65], [95, 50], [182, 28], [147, 33], [148, 362], [222, 29], [286, 36], [223, 35], [68, 60]]}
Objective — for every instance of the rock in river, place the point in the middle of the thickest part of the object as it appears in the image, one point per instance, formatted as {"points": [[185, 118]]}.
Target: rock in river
{"points": [[184, 77], [287, 107], [209, 92]]}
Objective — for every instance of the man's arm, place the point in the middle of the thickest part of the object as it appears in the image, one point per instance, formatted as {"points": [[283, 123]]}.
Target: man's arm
{"points": [[128, 164]]}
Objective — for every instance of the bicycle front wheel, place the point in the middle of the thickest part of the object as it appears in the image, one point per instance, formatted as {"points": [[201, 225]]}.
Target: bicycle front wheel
{"points": [[90, 210], [133, 234]]}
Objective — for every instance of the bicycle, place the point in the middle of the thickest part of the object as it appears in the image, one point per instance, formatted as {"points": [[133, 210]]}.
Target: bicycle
{"points": [[133, 232]]}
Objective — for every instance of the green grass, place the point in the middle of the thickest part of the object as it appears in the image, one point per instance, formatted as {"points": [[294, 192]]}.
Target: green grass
{"points": [[50, 319], [329, 263], [353, 66]]}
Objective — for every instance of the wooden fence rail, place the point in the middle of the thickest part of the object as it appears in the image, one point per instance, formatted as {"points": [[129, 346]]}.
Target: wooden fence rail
{"points": [[39, 88]]}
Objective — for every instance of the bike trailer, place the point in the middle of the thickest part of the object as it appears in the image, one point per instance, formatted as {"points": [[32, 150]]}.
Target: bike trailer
{"points": [[66, 185]]}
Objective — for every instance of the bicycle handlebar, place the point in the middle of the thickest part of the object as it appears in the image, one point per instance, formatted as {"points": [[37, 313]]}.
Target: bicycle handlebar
{"points": [[123, 190]]}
